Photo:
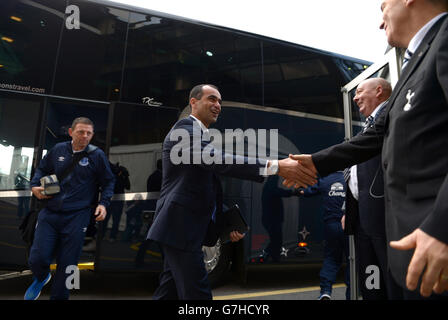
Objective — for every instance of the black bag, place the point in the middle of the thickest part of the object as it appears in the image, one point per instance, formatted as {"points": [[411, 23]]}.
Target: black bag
{"points": [[28, 226], [233, 221], [229, 220], [225, 221]]}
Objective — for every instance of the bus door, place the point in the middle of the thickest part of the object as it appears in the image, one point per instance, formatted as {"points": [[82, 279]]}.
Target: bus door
{"points": [[59, 115], [137, 132], [20, 116]]}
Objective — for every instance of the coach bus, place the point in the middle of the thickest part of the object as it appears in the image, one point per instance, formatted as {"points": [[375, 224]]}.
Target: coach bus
{"points": [[130, 70]]}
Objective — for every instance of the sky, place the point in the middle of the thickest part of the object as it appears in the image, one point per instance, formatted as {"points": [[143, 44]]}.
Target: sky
{"points": [[348, 27]]}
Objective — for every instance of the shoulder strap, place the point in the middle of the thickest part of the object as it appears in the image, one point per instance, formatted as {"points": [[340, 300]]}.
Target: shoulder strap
{"points": [[91, 148], [76, 158]]}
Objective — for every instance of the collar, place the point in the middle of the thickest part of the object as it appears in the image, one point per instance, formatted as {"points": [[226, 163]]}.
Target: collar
{"points": [[73, 151], [418, 37], [203, 127], [373, 114]]}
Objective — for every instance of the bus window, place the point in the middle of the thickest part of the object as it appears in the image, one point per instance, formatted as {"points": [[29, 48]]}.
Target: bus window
{"points": [[60, 115], [30, 33], [18, 123], [166, 58], [19, 120], [298, 80], [90, 59]]}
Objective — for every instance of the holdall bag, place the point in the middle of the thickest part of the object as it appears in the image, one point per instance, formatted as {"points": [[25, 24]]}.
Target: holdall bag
{"points": [[28, 226]]}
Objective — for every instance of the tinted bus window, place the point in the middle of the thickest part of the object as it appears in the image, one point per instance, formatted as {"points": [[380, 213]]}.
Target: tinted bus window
{"points": [[163, 60], [91, 57], [29, 32], [166, 58], [60, 115], [233, 63], [18, 125], [301, 80], [138, 132], [19, 118]]}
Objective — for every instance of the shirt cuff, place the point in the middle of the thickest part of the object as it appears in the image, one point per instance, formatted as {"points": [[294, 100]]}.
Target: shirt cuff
{"points": [[271, 170]]}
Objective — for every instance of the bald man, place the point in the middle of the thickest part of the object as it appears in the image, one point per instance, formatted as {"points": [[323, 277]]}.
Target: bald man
{"points": [[365, 198]]}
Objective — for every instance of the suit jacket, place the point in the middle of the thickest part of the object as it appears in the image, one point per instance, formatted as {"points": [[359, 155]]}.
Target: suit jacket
{"points": [[189, 191], [414, 148], [368, 210]]}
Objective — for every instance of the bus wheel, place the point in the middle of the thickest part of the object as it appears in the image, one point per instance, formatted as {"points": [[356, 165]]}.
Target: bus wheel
{"points": [[217, 261]]}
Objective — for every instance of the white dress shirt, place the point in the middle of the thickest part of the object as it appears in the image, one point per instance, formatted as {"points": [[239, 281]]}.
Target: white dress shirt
{"points": [[418, 37]]}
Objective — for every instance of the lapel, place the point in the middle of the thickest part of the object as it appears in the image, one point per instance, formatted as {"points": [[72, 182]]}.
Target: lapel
{"points": [[415, 61]]}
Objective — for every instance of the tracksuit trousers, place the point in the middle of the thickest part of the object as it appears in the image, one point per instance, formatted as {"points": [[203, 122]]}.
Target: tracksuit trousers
{"points": [[60, 236]]}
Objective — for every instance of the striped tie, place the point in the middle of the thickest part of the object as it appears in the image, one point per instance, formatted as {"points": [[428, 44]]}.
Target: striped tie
{"points": [[406, 58], [347, 174], [367, 124]]}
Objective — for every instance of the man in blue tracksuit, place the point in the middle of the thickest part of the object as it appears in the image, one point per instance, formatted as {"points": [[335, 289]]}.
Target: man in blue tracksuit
{"points": [[62, 224], [332, 188]]}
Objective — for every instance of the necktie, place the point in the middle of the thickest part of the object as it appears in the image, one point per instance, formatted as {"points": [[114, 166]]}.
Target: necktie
{"points": [[347, 174], [406, 58], [367, 124]]}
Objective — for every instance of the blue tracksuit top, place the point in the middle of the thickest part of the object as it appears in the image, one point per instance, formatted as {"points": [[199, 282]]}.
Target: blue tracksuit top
{"points": [[79, 188], [332, 188]]}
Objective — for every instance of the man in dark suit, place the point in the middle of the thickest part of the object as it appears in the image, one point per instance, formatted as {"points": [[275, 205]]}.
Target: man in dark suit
{"points": [[365, 197], [412, 137], [191, 197]]}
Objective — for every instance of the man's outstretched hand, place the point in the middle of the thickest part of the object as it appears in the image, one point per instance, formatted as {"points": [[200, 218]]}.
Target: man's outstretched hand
{"points": [[298, 174], [306, 175]]}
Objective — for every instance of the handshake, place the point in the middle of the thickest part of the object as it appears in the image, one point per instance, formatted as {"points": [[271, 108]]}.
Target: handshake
{"points": [[298, 171]]}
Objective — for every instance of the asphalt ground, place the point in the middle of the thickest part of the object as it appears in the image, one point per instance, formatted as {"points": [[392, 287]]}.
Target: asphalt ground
{"points": [[288, 292], [263, 283]]}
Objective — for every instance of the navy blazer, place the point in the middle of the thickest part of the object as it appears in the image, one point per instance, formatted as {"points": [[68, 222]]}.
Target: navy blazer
{"points": [[413, 143], [188, 195]]}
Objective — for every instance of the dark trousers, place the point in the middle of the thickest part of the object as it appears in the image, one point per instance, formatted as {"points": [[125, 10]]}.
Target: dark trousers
{"points": [[336, 248], [372, 251], [58, 235], [183, 277], [274, 229]]}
